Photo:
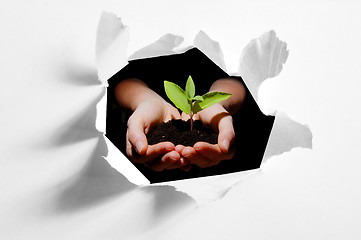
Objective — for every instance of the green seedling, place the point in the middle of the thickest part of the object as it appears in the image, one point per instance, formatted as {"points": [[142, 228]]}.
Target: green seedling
{"points": [[186, 100]]}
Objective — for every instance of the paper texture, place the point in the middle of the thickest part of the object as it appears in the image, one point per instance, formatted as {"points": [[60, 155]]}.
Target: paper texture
{"points": [[286, 134], [212, 188], [163, 46], [111, 45], [111, 49], [211, 48], [262, 58]]}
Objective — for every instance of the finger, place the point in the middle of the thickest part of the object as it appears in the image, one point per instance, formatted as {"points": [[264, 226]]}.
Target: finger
{"points": [[154, 151], [213, 152], [183, 160], [174, 113], [210, 151], [184, 116], [130, 149], [174, 160], [186, 168], [169, 161], [188, 152], [136, 135], [127, 145], [188, 155], [179, 148], [186, 164], [195, 117], [194, 157], [226, 134]]}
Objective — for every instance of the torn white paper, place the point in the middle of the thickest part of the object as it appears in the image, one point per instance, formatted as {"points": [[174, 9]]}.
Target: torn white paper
{"points": [[211, 48], [286, 134], [163, 46], [111, 49], [263, 58], [111, 46], [212, 188]]}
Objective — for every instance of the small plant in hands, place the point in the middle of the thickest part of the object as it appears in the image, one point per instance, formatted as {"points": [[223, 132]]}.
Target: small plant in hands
{"points": [[188, 102], [177, 130]]}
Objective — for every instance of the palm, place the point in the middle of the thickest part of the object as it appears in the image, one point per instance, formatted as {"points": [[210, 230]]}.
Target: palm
{"points": [[204, 154], [159, 156]]}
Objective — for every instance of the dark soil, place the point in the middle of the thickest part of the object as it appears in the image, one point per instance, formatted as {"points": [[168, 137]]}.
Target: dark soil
{"points": [[178, 132]]}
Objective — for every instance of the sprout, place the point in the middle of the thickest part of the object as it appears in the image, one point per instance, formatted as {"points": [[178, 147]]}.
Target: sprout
{"points": [[186, 100]]}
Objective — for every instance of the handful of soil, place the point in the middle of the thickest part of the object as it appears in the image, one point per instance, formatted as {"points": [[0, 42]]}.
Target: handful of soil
{"points": [[178, 132]]}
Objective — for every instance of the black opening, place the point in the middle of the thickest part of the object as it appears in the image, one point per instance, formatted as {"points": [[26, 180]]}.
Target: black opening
{"points": [[252, 127]]}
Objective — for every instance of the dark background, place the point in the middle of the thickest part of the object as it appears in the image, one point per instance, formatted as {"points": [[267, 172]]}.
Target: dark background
{"points": [[252, 127]]}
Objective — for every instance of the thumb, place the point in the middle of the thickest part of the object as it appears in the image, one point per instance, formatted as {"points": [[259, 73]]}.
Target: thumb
{"points": [[226, 133], [136, 135]]}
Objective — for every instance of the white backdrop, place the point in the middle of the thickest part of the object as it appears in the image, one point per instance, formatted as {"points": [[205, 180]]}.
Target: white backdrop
{"points": [[55, 183]]}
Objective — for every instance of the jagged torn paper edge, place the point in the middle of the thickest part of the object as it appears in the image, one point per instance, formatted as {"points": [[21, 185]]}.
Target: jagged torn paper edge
{"points": [[262, 58]]}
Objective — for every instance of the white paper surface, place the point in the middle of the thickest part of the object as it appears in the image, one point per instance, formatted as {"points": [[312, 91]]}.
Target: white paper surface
{"points": [[211, 188], [262, 58], [163, 46], [286, 134], [56, 184], [210, 48], [111, 45]]}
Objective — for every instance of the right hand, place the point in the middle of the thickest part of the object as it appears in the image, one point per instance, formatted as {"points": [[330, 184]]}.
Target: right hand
{"points": [[205, 154], [159, 156]]}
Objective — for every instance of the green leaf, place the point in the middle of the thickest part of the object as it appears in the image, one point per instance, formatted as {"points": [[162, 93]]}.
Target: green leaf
{"points": [[198, 98], [196, 107], [190, 88], [210, 99], [178, 96]]}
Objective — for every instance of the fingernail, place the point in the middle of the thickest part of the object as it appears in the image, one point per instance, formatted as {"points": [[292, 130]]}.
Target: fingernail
{"points": [[139, 146], [173, 159], [226, 144], [169, 147]]}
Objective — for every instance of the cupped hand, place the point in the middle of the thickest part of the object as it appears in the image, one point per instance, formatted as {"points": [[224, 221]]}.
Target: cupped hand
{"points": [[205, 154], [159, 156]]}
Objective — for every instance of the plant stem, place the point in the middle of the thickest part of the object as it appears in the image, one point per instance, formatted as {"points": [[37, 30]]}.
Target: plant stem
{"points": [[191, 119], [191, 113]]}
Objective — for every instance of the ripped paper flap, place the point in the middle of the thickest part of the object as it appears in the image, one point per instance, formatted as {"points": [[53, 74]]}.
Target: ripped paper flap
{"points": [[262, 58], [111, 46]]}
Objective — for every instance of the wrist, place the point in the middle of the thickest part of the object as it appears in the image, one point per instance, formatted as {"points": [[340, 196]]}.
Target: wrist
{"points": [[213, 114], [132, 92], [234, 87]]}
